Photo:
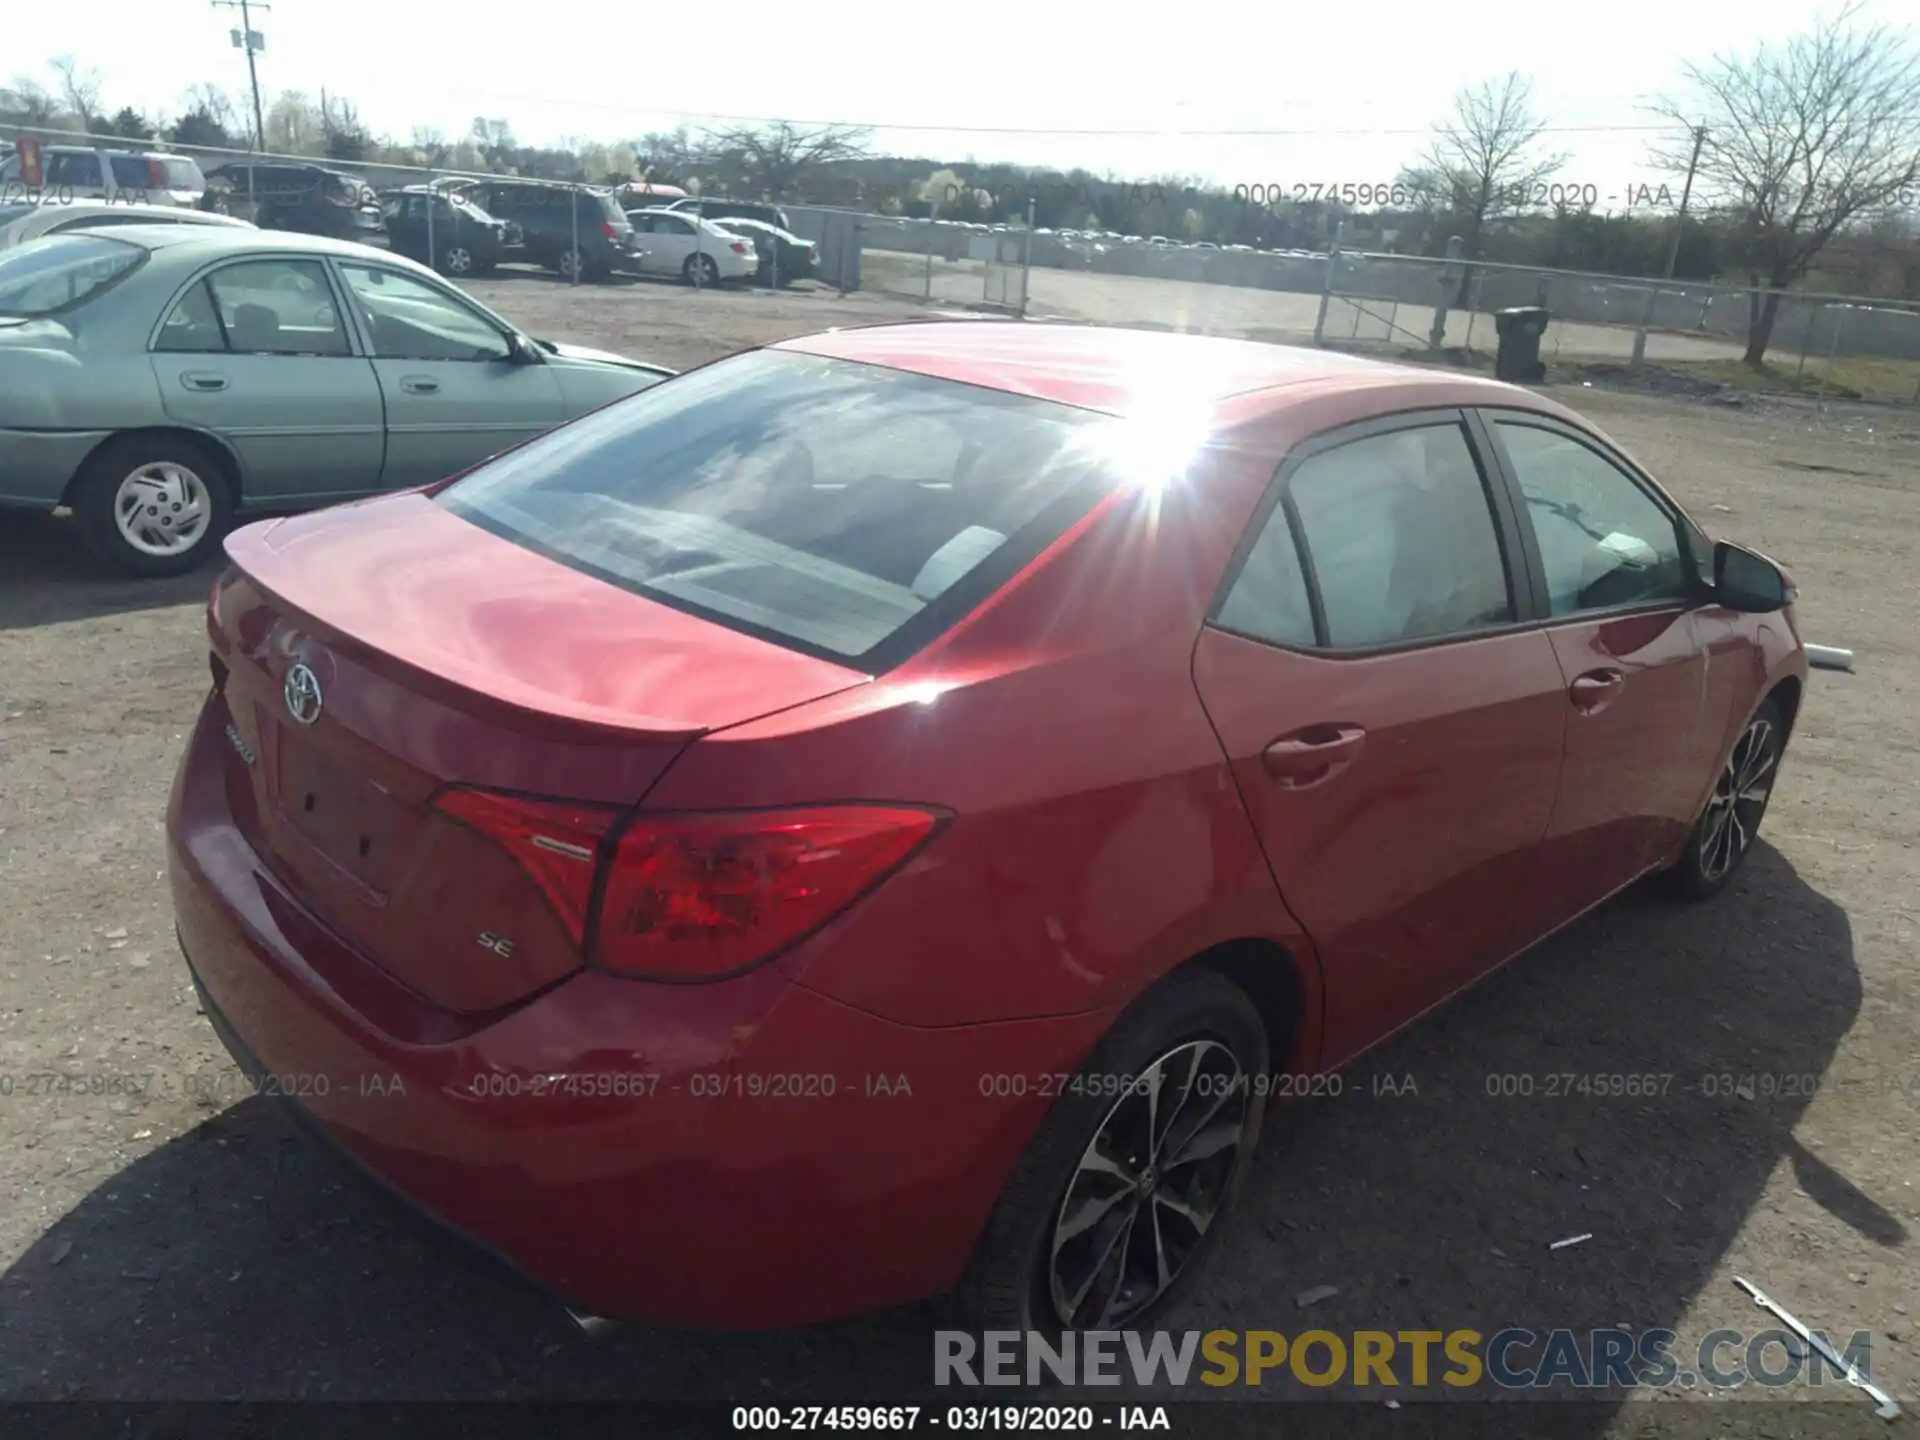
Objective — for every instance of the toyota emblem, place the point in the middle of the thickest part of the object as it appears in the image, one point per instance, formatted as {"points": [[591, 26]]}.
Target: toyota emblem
{"points": [[303, 695]]}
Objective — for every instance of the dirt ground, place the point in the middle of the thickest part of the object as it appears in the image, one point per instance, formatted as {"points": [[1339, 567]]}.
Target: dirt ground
{"points": [[188, 1244]]}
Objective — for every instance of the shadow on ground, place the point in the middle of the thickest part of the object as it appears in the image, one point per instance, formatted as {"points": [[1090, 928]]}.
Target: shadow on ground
{"points": [[241, 1261], [47, 575]]}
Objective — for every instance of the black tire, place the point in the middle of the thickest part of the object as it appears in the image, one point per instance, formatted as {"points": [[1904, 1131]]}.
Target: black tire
{"points": [[96, 495], [700, 271], [1714, 851], [1009, 1281]]}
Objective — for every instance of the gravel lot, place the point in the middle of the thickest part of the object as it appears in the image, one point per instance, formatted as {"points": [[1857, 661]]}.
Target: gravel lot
{"points": [[187, 1244]]}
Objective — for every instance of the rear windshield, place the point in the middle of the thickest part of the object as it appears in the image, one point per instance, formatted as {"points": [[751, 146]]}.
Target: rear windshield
{"points": [[845, 510], [610, 208], [45, 276]]}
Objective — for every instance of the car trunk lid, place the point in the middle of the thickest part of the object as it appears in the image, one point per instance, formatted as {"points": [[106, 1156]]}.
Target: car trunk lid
{"points": [[376, 654]]}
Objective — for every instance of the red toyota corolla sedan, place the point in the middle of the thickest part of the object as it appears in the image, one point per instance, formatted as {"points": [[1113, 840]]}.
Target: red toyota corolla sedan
{"points": [[879, 815]]}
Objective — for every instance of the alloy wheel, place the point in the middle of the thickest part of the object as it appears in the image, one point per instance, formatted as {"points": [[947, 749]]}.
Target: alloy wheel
{"points": [[1739, 798], [162, 509], [1148, 1186], [457, 260]]}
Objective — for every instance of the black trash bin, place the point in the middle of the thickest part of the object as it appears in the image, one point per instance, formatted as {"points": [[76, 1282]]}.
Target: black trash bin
{"points": [[1518, 358]]}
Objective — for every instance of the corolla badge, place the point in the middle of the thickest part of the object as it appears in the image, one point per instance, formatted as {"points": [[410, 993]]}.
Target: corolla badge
{"points": [[303, 694]]}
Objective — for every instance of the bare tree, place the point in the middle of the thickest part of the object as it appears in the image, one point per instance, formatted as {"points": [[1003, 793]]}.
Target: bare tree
{"points": [[28, 100], [667, 157], [1801, 143], [80, 87], [294, 125], [1484, 161], [775, 159], [494, 139]]}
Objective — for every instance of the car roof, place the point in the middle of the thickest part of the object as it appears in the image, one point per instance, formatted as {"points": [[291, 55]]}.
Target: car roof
{"points": [[212, 240], [1121, 371]]}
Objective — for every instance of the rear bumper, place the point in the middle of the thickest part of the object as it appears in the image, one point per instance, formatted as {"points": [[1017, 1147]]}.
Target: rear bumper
{"points": [[731, 1156]]}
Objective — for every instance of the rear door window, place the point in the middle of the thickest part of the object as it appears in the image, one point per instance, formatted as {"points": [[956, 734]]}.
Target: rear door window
{"points": [[845, 510]]}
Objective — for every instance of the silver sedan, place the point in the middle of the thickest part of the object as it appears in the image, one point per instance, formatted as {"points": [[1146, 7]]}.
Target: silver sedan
{"points": [[161, 379]]}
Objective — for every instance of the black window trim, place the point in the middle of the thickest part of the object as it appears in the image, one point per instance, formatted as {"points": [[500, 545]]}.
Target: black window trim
{"points": [[1521, 597], [1487, 419]]}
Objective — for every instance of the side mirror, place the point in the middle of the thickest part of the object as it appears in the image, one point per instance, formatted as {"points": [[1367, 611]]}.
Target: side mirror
{"points": [[522, 351], [1747, 581]]}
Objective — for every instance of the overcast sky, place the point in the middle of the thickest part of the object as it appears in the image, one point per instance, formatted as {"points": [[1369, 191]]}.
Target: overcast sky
{"points": [[1360, 82]]}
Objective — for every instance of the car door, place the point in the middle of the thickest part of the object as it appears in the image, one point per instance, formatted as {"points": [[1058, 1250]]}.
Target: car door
{"points": [[258, 352], [454, 391], [1392, 717], [1616, 580], [669, 243]]}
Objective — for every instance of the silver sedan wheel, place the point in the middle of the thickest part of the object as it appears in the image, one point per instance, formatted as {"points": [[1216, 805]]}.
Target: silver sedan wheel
{"points": [[163, 508], [1739, 798], [1148, 1186]]}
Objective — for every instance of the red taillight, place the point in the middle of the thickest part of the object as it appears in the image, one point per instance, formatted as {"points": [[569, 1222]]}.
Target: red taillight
{"points": [[607, 229], [554, 841], [740, 247], [694, 896], [698, 897]]}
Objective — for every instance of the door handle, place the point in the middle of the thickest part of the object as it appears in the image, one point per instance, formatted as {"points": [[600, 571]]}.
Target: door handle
{"points": [[1309, 756], [1596, 689], [419, 385], [200, 380]]}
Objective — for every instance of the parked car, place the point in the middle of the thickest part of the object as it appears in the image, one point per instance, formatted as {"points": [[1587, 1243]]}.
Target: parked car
{"points": [[159, 378], [21, 223], [1078, 728], [72, 173], [698, 250], [306, 199], [783, 256], [716, 207], [639, 194], [447, 231], [574, 229]]}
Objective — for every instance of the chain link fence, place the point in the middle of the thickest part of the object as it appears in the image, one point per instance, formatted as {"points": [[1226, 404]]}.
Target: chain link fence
{"points": [[1402, 306]]}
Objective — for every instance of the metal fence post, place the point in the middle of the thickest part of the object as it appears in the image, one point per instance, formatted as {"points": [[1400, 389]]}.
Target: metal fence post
{"points": [[1833, 348], [575, 198], [433, 250], [1473, 310], [1806, 339], [933, 215], [1326, 288], [1026, 260]]}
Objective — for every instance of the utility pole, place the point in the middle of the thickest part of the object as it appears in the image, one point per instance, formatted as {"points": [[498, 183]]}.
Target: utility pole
{"points": [[1673, 250], [252, 41]]}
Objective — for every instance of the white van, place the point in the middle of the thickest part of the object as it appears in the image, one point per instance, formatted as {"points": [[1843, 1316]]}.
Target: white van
{"points": [[78, 172]]}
